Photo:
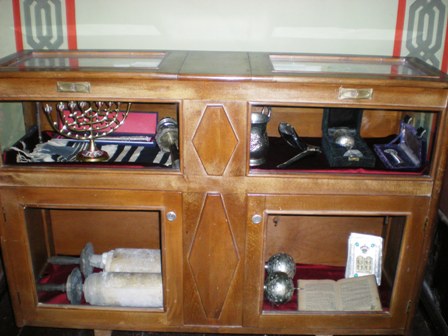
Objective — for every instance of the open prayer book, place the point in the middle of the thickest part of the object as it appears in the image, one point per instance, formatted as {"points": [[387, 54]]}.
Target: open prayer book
{"points": [[350, 294]]}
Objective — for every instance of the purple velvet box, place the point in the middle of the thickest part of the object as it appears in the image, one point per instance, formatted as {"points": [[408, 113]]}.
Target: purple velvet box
{"points": [[406, 152]]}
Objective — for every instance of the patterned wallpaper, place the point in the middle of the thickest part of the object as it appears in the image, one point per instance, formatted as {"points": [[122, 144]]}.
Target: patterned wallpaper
{"points": [[426, 32], [400, 27]]}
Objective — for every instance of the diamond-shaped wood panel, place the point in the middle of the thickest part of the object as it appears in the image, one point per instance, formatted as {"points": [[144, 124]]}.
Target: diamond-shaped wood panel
{"points": [[215, 140], [213, 257]]}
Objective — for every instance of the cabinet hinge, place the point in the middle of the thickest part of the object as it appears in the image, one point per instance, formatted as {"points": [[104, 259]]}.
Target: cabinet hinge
{"points": [[425, 224], [2, 224], [18, 299], [4, 214], [408, 306]]}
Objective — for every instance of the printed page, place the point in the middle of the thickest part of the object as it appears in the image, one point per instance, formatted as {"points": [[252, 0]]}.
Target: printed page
{"points": [[317, 295], [359, 294]]}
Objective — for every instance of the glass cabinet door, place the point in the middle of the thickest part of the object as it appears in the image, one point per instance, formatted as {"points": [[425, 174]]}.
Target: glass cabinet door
{"points": [[320, 236], [92, 256]]}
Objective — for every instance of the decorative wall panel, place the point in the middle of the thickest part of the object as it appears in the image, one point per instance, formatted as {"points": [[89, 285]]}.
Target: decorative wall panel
{"points": [[43, 23], [382, 27], [426, 26]]}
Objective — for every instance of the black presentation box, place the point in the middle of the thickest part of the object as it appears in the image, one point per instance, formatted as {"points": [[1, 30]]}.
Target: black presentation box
{"points": [[339, 124]]}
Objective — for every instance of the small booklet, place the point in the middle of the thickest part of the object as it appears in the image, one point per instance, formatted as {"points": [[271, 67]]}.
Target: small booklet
{"points": [[352, 294], [364, 256]]}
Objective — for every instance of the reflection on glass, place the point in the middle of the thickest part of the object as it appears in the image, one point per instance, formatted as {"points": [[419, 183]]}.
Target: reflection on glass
{"points": [[150, 61], [306, 64]]}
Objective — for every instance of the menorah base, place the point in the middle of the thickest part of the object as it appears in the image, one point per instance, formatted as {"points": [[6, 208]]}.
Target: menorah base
{"points": [[97, 155]]}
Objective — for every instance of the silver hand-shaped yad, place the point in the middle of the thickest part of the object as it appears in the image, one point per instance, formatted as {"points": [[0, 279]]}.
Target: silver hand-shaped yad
{"points": [[289, 134], [309, 150]]}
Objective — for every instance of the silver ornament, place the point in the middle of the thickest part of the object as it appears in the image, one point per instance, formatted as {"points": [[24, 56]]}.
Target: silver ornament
{"points": [[278, 288], [281, 262]]}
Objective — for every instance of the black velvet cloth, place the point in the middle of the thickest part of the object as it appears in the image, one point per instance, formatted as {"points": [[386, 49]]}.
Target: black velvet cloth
{"points": [[280, 151], [146, 158]]}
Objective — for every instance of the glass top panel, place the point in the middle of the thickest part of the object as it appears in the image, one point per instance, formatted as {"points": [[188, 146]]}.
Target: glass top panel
{"points": [[300, 64], [147, 61]]}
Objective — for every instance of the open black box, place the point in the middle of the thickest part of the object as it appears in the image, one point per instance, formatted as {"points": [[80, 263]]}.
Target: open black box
{"points": [[348, 120]]}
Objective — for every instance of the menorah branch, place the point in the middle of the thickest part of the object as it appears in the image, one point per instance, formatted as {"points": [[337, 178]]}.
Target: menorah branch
{"points": [[87, 121]]}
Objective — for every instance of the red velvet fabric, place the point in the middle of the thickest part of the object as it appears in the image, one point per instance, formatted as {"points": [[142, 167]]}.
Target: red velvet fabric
{"points": [[320, 272], [57, 274], [54, 274]]}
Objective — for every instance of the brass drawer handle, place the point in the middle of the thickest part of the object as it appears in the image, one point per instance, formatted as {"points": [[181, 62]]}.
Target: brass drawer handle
{"points": [[346, 93], [82, 87]]}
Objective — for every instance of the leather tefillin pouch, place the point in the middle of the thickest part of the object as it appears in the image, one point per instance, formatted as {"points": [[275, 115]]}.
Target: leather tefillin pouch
{"points": [[341, 140], [407, 151]]}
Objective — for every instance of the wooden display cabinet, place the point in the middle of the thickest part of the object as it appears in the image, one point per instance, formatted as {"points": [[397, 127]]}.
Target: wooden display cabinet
{"points": [[217, 218]]}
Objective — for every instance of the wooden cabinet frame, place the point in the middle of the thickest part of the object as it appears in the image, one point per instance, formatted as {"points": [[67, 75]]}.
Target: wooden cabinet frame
{"points": [[213, 253]]}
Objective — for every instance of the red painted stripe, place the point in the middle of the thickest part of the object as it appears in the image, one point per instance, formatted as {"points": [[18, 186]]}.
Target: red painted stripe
{"points": [[401, 14], [71, 24], [17, 25], [444, 66]]}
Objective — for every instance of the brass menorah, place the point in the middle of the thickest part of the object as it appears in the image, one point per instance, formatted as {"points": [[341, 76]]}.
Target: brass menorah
{"points": [[87, 121]]}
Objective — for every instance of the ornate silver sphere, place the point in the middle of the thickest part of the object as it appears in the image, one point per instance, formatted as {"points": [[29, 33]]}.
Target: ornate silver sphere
{"points": [[278, 288], [344, 138], [346, 141], [281, 262]]}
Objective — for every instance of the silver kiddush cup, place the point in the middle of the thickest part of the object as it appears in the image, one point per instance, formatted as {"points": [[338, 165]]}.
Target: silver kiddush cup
{"points": [[259, 141]]}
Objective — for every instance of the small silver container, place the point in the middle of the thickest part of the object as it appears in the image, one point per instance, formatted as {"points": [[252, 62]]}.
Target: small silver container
{"points": [[259, 141]]}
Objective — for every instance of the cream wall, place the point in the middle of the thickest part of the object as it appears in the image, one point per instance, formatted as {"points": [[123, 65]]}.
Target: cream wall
{"points": [[11, 122], [314, 26], [7, 42], [311, 26]]}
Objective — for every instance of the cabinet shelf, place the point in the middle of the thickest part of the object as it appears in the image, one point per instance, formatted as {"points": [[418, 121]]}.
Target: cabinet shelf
{"points": [[317, 163], [324, 257], [131, 145], [375, 128]]}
